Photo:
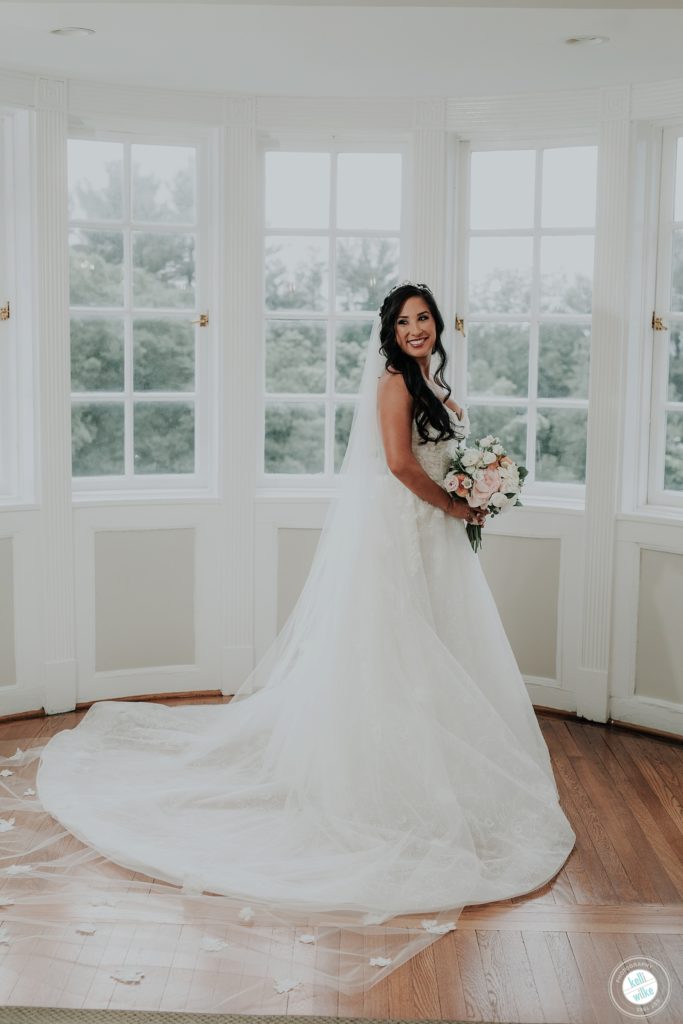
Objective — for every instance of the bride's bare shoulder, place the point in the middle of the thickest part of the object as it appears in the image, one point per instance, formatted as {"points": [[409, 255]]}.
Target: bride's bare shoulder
{"points": [[392, 390]]}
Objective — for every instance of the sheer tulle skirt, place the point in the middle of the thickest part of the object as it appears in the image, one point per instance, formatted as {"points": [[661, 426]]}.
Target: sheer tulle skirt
{"points": [[381, 770]]}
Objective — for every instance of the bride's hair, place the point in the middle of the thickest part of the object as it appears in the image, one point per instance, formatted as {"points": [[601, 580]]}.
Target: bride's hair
{"points": [[427, 407]]}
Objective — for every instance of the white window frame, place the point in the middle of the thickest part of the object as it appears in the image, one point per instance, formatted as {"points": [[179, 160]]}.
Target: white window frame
{"points": [[541, 492], [203, 482], [325, 481], [664, 157], [18, 383]]}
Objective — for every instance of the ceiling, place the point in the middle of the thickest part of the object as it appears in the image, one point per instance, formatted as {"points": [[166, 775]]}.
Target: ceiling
{"points": [[390, 48]]}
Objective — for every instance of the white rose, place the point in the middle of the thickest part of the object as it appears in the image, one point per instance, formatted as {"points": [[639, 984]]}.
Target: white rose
{"points": [[498, 449], [488, 458], [470, 457], [499, 500], [478, 474], [486, 441]]}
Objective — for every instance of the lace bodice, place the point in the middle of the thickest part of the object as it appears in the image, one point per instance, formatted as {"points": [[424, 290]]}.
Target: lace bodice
{"points": [[434, 456]]}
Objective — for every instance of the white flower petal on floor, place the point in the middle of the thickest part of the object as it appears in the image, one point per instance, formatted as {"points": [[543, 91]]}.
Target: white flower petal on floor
{"points": [[307, 938], [380, 961], [211, 945], [29, 792], [128, 977], [6, 824], [246, 914], [87, 928], [438, 929], [18, 869], [285, 984], [5, 772]]}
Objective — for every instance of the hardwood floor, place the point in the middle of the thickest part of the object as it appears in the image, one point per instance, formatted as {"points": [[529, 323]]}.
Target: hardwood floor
{"points": [[541, 958]]}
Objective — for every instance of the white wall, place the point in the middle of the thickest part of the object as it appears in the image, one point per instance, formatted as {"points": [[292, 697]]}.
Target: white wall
{"points": [[586, 632]]}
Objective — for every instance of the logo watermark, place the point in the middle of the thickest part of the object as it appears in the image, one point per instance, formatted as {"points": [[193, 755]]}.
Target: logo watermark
{"points": [[639, 986]]}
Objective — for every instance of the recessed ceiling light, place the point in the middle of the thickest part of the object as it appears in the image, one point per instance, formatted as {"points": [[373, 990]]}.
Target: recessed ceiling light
{"points": [[587, 40], [72, 30]]}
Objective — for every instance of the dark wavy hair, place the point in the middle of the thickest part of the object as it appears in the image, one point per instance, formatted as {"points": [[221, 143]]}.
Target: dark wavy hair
{"points": [[427, 408]]}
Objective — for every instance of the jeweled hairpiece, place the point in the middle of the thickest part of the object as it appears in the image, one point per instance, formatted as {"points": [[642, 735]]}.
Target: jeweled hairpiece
{"points": [[402, 284]]}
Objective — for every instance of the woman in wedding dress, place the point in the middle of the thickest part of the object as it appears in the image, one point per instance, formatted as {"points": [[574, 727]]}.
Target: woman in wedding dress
{"points": [[382, 759]]}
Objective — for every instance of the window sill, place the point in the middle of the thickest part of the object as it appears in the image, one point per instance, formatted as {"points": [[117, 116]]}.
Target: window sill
{"points": [[95, 498], [654, 514]]}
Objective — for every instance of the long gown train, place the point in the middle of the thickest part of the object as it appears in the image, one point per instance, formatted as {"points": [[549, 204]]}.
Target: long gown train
{"points": [[385, 761]]}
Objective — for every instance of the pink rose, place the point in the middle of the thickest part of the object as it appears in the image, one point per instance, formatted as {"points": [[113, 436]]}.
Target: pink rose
{"points": [[484, 488]]}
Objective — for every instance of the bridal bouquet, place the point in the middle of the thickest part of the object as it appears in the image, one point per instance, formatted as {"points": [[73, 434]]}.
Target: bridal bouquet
{"points": [[485, 477]]}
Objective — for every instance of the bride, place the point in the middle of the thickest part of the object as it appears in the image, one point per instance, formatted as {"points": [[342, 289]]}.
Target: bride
{"points": [[382, 759]]}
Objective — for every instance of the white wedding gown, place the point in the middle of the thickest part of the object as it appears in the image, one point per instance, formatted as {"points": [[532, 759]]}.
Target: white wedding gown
{"points": [[389, 764]]}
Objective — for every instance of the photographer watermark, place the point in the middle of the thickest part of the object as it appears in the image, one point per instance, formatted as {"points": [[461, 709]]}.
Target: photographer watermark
{"points": [[639, 986]]}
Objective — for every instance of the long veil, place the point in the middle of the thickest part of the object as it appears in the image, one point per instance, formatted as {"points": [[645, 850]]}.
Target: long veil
{"points": [[327, 824]]}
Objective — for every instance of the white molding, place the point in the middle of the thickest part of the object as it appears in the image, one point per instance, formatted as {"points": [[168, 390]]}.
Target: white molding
{"points": [[88, 97], [650, 712], [546, 693], [27, 691], [206, 521], [17, 88], [330, 114], [242, 300], [518, 116], [236, 664], [605, 419], [52, 324], [51, 93], [429, 194], [657, 101]]}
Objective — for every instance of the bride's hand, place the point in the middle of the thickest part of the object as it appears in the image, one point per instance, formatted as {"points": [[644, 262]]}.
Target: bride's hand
{"points": [[459, 509]]}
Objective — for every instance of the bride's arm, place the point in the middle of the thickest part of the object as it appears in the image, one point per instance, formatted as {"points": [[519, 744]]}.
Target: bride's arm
{"points": [[395, 405]]}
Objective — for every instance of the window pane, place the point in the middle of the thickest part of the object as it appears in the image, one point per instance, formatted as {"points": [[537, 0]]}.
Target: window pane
{"points": [[95, 171], [569, 184], [296, 273], [677, 272], [297, 190], [351, 349], [295, 438], [96, 267], [675, 391], [673, 457], [367, 268], [96, 354], [498, 359], [163, 355], [97, 439], [163, 270], [678, 200], [507, 423], [563, 356], [502, 189], [163, 437], [561, 445], [295, 356], [163, 183], [342, 429], [566, 275], [500, 275], [369, 191]]}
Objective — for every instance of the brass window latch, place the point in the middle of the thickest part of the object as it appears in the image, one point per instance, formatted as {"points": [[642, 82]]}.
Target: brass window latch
{"points": [[4, 312], [460, 325], [203, 320], [658, 324]]}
